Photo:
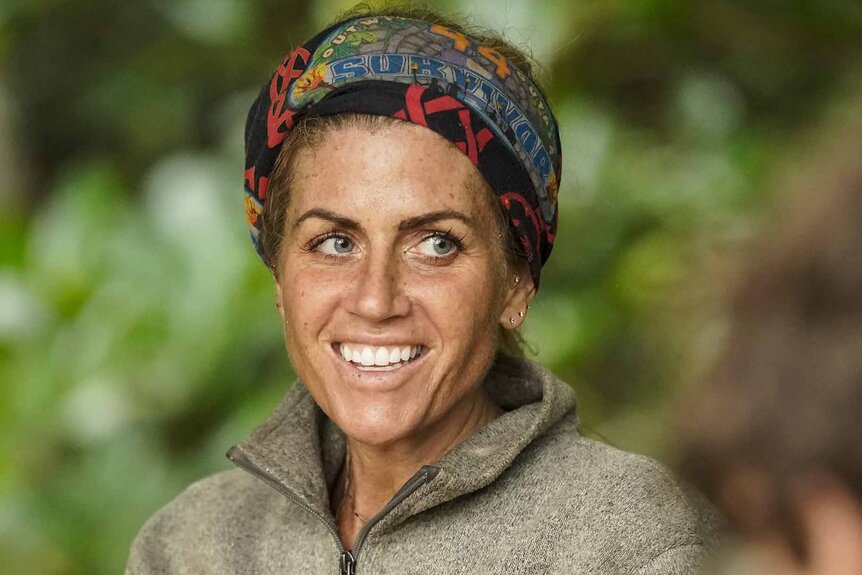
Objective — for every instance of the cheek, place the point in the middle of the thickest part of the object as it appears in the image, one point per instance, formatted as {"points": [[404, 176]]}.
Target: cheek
{"points": [[463, 306], [308, 302]]}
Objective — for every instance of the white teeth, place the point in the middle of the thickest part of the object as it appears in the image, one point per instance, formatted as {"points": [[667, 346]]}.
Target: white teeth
{"points": [[378, 356], [367, 356], [382, 356]]}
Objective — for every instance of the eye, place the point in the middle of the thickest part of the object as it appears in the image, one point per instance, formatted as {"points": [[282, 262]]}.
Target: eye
{"points": [[438, 246], [335, 245]]}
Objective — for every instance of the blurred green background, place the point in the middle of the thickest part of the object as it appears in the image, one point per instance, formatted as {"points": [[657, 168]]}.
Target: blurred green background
{"points": [[138, 337]]}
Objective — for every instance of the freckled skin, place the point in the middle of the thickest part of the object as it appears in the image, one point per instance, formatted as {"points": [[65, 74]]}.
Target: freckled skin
{"points": [[385, 286]]}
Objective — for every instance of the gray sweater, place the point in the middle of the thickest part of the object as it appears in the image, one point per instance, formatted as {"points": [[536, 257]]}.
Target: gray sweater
{"points": [[525, 494]]}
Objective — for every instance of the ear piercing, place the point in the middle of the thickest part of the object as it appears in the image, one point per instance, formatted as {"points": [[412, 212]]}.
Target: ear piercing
{"points": [[520, 314]]}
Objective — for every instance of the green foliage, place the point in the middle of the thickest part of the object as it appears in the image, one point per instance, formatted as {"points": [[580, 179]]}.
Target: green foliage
{"points": [[138, 340]]}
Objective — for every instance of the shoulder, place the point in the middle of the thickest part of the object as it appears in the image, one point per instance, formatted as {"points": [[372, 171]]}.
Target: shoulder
{"points": [[191, 526], [632, 508], [608, 475], [217, 495]]}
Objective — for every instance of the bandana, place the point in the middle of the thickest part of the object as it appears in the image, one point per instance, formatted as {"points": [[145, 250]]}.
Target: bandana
{"points": [[431, 76]]}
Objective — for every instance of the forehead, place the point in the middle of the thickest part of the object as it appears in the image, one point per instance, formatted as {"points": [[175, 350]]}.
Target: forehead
{"points": [[392, 169]]}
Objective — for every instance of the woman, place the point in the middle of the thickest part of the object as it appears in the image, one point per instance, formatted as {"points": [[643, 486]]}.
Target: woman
{"points": [[401, 184]]}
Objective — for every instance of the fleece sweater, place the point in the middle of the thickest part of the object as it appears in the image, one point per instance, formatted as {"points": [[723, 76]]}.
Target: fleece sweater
{"points": [[526, 494]]}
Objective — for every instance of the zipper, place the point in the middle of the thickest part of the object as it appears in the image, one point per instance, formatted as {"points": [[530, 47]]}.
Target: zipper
{"points": [[346, 559], [347, 563], [426, 473], [239, 458]]}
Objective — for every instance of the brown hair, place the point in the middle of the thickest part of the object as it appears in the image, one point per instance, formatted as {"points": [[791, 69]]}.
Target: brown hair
{"points": [[310, 130], [783, 403]]}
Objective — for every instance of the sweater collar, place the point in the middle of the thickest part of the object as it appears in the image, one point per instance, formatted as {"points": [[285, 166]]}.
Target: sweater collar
{"points": [[300, 450]]}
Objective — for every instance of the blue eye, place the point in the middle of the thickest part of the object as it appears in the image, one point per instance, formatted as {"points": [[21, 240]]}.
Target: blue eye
{"points": [[336, 245], [438, 246]]}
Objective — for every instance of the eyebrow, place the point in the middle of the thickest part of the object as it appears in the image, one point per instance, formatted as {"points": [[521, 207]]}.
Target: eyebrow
{"points": [[431, 217], [408, 224], [330, 216]]}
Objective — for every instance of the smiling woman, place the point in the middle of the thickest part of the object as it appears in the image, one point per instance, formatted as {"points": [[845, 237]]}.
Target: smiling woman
{"points": [[384, 282], [401, 186]]}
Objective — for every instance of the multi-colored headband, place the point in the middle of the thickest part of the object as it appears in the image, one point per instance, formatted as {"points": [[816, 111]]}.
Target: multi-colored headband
{"points": [[428, 75]]}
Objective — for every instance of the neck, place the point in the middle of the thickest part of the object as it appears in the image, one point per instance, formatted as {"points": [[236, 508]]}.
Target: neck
{"points": [[378, 472]]}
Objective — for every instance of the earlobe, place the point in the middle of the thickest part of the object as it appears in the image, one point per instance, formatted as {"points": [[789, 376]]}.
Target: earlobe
{"points": [[278, 302]]}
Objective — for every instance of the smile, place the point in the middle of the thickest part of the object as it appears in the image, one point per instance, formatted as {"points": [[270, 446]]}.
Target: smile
{"points": [[379, 358]]}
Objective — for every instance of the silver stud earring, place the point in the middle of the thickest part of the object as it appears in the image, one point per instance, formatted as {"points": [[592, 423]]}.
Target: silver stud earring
{"points": [[521, 313], [517, 280], [512, 320]]}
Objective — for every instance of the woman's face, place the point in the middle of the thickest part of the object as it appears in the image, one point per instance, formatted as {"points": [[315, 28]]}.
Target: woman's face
{"points": [[389, 280]]}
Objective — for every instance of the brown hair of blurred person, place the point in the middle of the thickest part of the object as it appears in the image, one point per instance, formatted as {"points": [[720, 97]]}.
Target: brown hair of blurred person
{"points": [[774, 436]]}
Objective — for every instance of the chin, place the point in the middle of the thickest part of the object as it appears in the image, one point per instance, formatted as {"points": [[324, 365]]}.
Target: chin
{"points": [[377, 423]]}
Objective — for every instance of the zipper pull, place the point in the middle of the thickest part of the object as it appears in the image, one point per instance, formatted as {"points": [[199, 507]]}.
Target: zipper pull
{"points": [[348, 563]]}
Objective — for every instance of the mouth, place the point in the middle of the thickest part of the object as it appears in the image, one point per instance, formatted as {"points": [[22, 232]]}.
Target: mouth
{"points": [[379, 357]]}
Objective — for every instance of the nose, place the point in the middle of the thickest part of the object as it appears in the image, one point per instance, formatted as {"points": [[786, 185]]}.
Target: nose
{"points": [[378, 292]]}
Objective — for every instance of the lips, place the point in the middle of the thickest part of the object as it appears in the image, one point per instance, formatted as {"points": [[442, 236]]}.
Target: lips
{"points": [[379, 358]]}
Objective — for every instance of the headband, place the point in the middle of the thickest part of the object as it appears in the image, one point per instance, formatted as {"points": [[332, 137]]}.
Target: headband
{"points": [[431, 76]]}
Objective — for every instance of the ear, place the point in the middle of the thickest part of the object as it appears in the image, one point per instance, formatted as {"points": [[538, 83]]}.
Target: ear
{"points": [[519, 294], [279, 302]]}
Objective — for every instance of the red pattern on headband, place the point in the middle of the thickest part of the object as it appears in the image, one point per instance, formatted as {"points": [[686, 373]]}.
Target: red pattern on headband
{"points": [[435, 78]]}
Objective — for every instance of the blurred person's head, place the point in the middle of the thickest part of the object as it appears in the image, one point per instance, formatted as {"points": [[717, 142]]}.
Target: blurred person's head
{"points": [[774, 436]]}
